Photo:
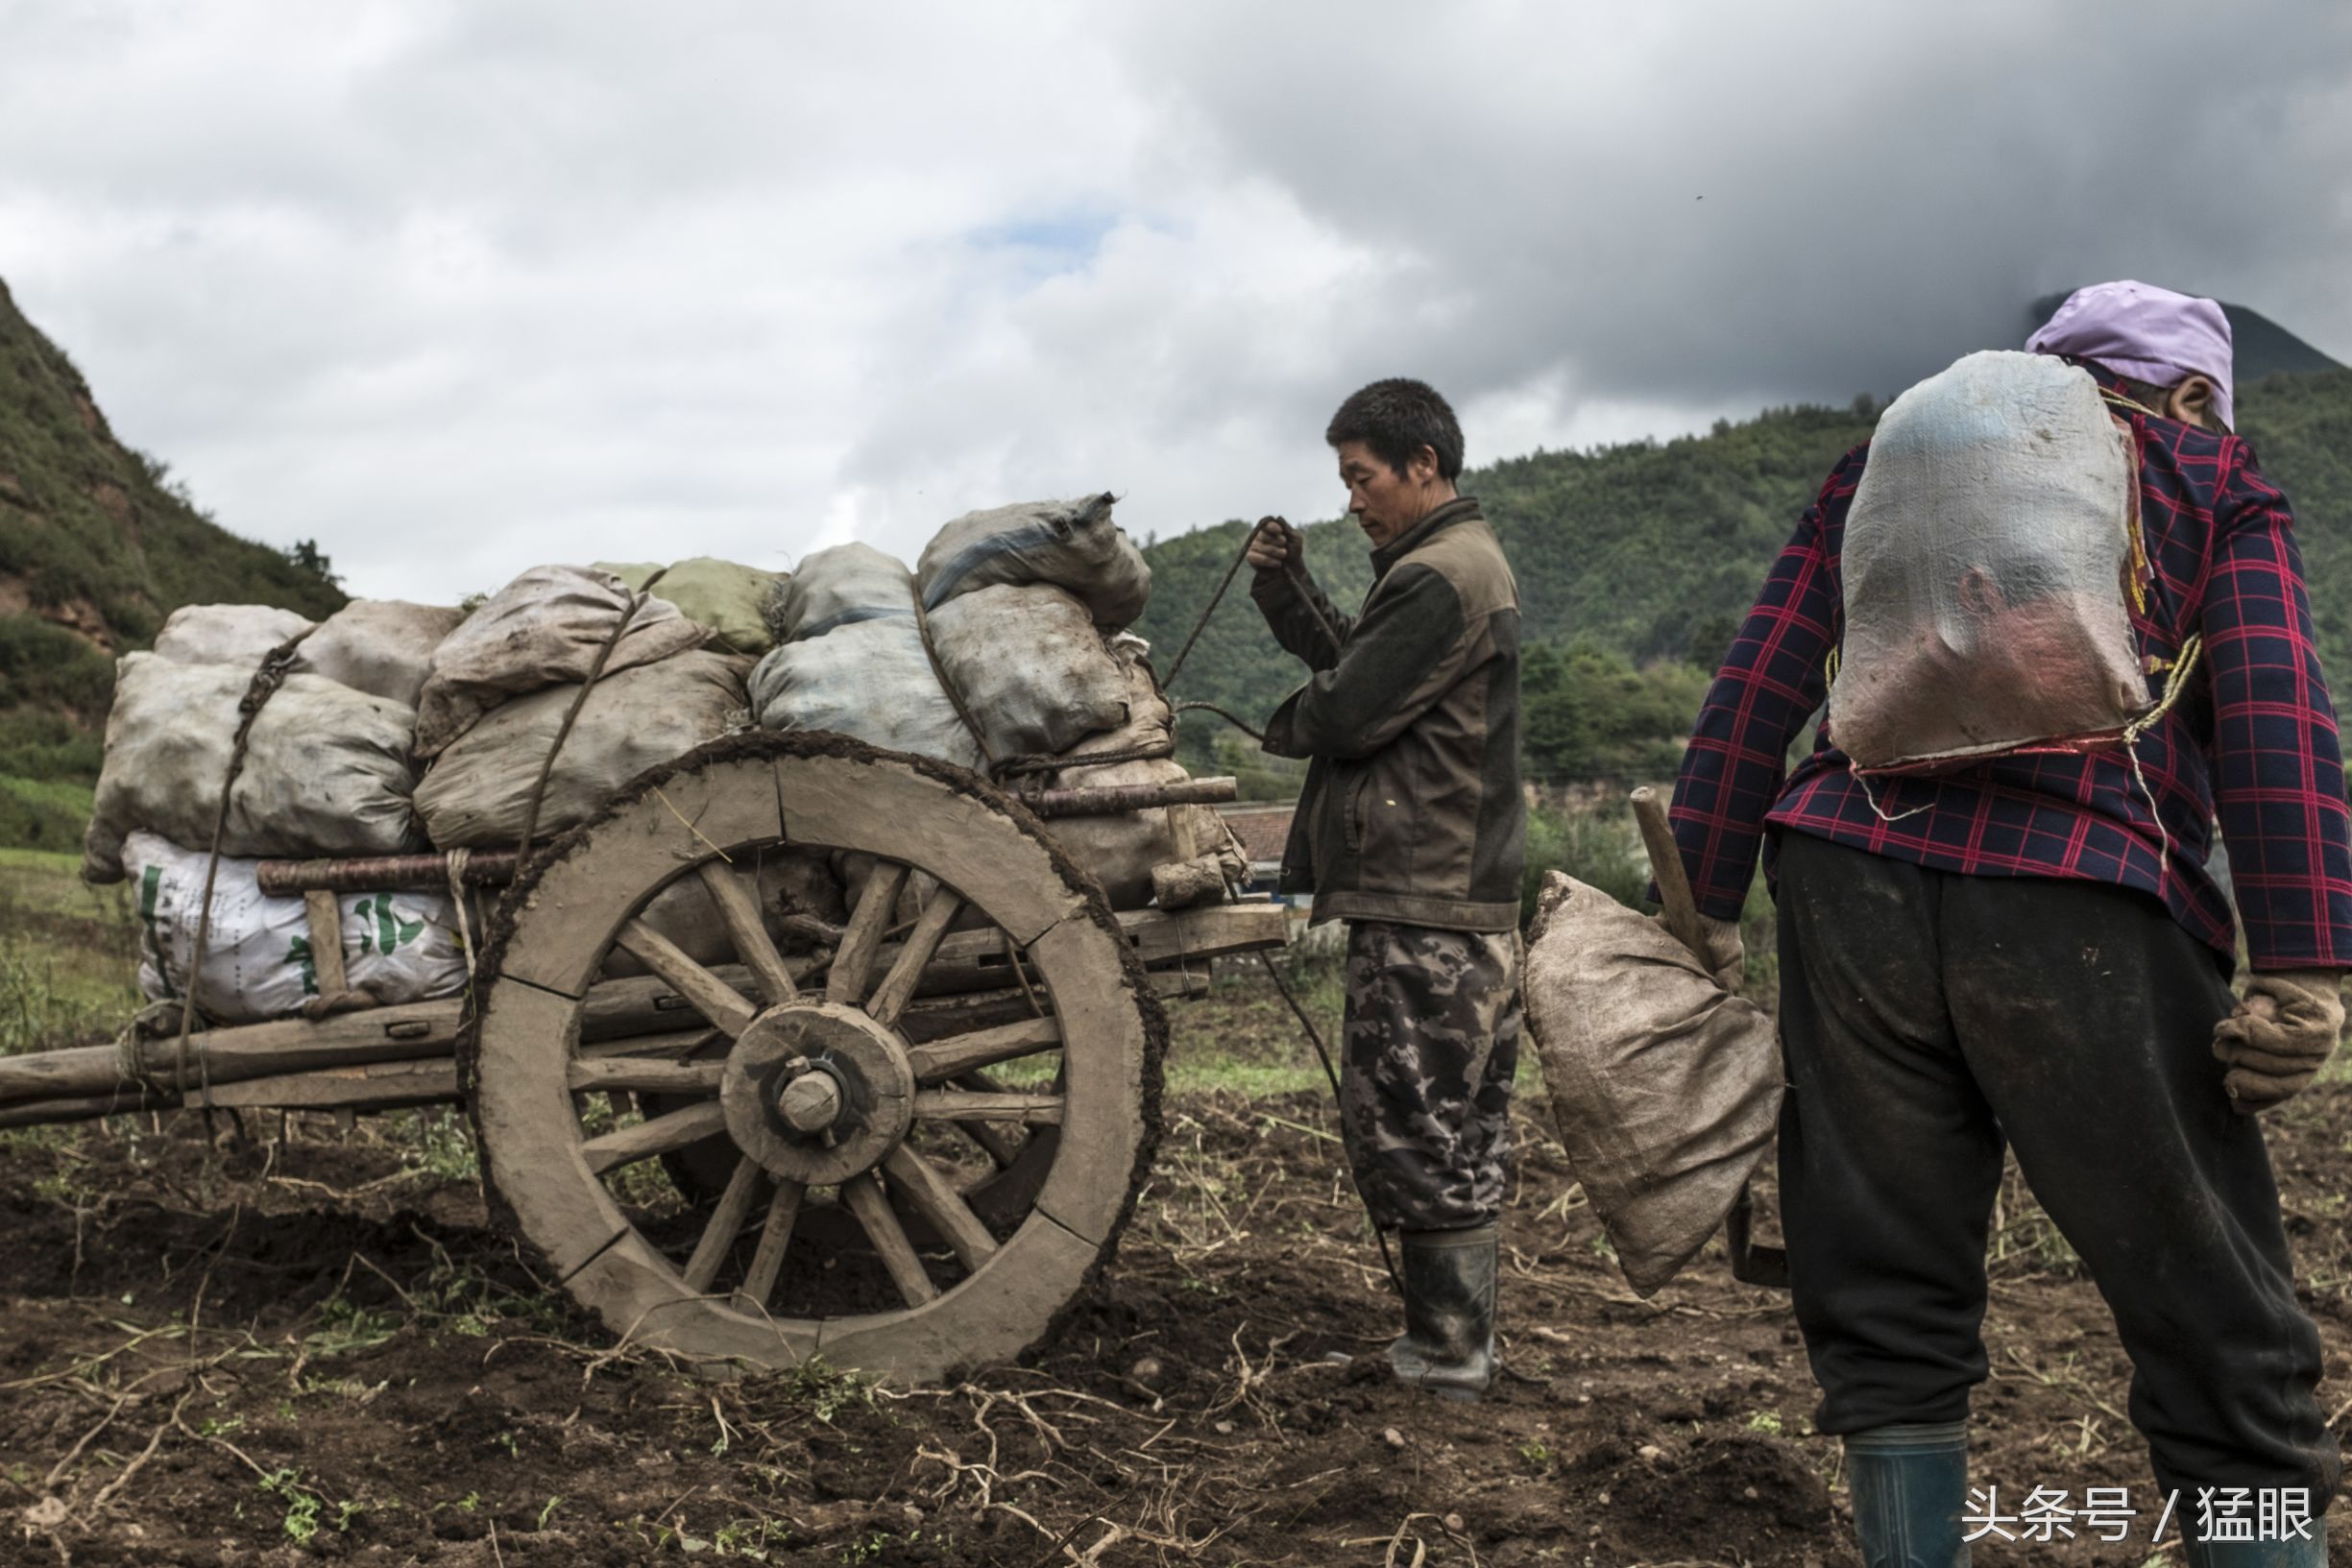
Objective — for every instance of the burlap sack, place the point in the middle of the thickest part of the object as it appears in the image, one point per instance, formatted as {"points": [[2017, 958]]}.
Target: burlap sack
{"points": [[1073, 544], [842, 585], [383, 647], [728, 600], [1030, 666], [1033, 670], [540, 629], [866, 678], [326, 768], [226, 634], [1120, 850], [1664, 1087], [478, 790]]}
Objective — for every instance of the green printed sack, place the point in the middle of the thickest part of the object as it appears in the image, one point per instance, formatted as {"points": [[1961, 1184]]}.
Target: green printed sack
{"points": [[258, 962]]}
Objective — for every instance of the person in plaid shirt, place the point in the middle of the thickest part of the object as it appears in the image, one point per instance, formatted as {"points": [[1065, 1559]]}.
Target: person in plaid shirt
{"points": [[2032, 953]]}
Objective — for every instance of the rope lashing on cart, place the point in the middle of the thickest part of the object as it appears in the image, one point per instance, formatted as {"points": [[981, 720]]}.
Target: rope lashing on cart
{"points": [[1048, 763], [270, 675], [571, 715], [938, 670]]}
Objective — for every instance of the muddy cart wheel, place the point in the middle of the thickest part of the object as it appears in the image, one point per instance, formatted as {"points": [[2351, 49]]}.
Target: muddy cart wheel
{"points": [[806, 1154]]}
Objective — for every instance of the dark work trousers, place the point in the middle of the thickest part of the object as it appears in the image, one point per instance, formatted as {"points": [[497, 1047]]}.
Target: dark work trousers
{"points": [[1431, 1029], [1927, 1018]]}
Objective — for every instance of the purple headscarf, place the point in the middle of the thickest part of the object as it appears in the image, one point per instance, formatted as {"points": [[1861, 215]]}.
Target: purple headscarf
{"points": [[2147, 333]]}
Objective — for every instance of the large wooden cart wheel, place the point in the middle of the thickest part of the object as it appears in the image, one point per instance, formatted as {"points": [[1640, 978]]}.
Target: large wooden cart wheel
{"points": [[796, 1159]]}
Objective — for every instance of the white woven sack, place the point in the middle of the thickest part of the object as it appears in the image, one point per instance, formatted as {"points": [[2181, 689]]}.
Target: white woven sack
{"points": [[1986, 569], [226, 634], [383, 647], [397, 947], [327, 769]]}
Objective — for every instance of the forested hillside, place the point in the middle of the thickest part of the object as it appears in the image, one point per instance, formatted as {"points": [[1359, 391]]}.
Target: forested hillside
{"points": [[97, 545], [2301, 427], [1635, 563], [1640, 558]]}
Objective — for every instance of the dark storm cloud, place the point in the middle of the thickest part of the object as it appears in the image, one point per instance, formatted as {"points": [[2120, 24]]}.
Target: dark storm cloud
{"points": [[1698, 201], [455, 288]]}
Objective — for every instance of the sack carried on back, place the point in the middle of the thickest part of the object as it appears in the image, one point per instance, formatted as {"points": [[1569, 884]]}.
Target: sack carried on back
{"points": [[1991, 563]]}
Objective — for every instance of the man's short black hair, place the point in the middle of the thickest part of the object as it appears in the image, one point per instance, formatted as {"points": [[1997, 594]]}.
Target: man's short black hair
{"points": [[1396, 417]]}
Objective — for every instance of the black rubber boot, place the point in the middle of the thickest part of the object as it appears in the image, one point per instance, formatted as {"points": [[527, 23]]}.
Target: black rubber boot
{"points": [[2297, 1554], [1909, 1485], [1449, 1342]]}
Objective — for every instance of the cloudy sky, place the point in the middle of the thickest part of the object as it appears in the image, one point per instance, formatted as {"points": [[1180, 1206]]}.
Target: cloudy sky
{"points": [[455, 288]]}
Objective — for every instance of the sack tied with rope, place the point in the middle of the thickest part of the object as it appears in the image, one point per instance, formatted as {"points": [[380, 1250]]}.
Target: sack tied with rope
{"points": [[1991, 568]]}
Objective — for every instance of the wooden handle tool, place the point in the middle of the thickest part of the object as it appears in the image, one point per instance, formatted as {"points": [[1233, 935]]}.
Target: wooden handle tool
{"points": [[1674, 894]]}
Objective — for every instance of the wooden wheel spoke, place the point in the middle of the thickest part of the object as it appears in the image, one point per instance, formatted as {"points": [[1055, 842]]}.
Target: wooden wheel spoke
{"points": [[927, 1192], [897, 987], [709, 995], [868, 1201], [1030, 1110], [1001, 1149], [726, 1224], [862, 937], [940, 1060], [658, 1135], [681, 1043], [737, 897], [767, 1257], [645, 1075]]}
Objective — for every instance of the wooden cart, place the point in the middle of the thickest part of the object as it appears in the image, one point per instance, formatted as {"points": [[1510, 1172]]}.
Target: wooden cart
{"points": [[901, 1143]]}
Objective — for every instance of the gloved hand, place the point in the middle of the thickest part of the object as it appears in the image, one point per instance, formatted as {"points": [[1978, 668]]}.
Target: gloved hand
{"points": [[1723, 951], [2280, 1036]]}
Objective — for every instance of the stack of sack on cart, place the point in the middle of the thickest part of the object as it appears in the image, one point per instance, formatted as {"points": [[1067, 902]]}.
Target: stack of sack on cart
{"points": [[401, 729], [1003, 650], [398, 728]]}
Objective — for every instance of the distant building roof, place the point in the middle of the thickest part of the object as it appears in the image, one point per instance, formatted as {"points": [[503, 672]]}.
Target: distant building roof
{"points": [[1263, 827]]}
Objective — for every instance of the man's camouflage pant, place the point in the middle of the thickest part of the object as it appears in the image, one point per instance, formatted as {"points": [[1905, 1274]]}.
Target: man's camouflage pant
{"points": [[1432, 1045]]}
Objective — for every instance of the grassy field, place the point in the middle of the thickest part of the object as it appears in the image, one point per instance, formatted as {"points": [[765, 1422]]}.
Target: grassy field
{"points": [[68, 953], [43, 813]]}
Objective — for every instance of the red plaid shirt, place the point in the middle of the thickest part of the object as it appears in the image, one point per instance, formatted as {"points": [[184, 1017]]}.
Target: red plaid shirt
{"points": [[2254, 733]]}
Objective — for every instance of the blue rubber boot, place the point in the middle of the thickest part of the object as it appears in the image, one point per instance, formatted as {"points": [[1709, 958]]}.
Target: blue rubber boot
{"points": [[1909, 1485], [2298, 1554]]}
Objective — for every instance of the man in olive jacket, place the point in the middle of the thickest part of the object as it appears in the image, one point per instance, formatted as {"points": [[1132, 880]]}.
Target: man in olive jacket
{"points": [[1412, 829]]}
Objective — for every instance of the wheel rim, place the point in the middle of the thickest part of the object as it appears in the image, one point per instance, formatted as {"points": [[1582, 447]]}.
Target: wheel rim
{"points": [[884, 1202]]}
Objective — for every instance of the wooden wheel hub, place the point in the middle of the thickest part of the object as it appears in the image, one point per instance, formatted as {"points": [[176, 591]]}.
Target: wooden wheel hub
{"points": [[817, 1092], [810, 1102], [898, 1179]]}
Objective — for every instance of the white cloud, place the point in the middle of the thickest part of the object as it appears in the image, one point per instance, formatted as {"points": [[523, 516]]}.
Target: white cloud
{"points": [[456, 288]]}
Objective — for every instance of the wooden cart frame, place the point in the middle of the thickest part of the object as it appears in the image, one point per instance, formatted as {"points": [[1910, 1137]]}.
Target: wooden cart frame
{"points": [[901, 1143]]}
